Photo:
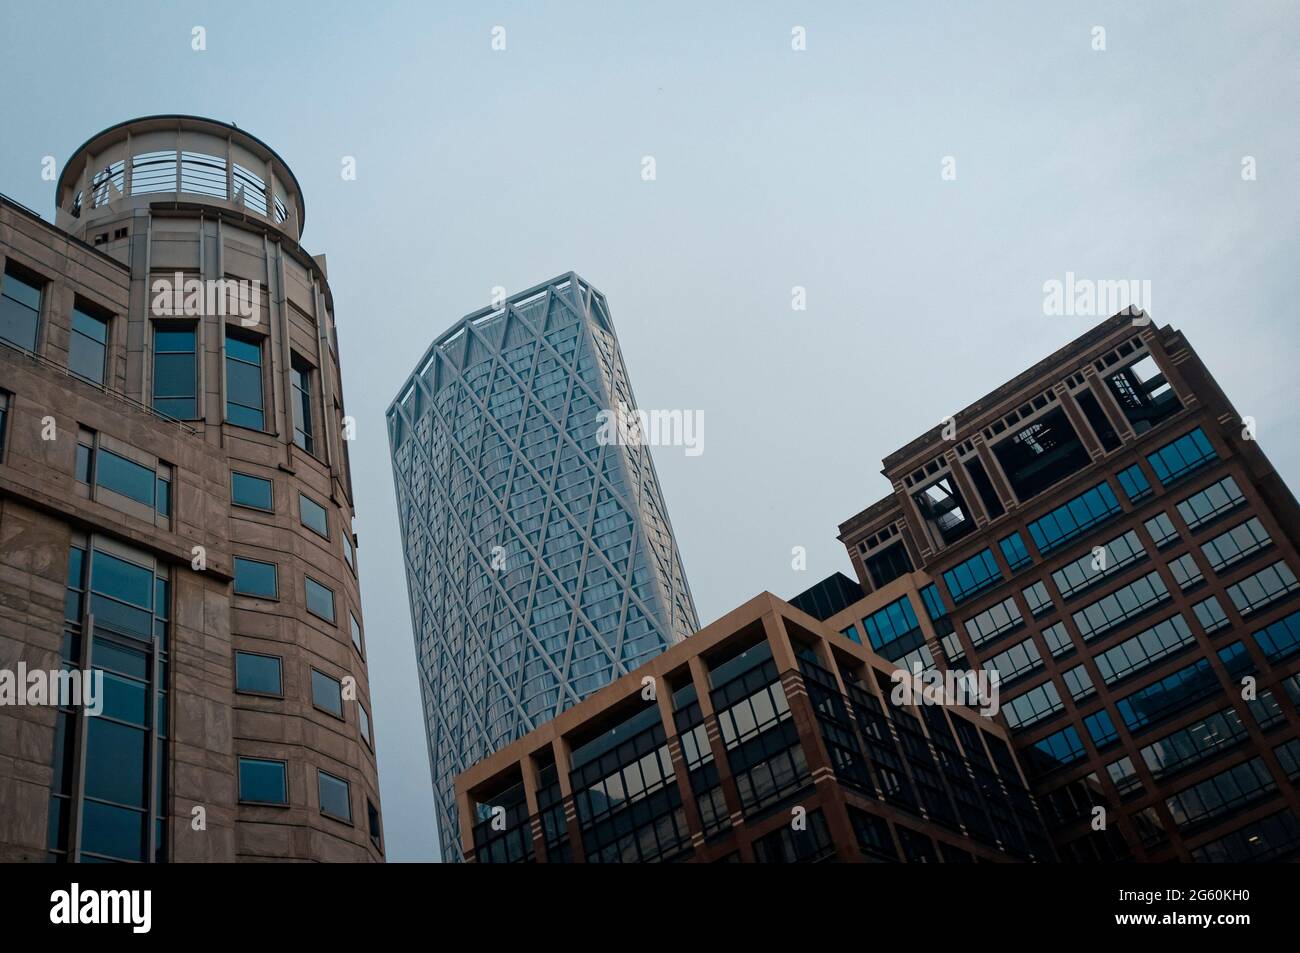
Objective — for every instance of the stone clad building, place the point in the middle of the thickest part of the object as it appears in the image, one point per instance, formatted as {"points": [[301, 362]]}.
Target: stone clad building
{"points": [[176, 513]]}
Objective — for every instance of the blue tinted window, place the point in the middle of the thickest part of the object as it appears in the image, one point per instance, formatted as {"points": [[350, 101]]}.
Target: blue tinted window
{"points": [[335, 799], [1101, 728], [257, 673], [253, 578], [1069, 520], [892, 622], [1013, 549], [969, 577], [244, 381], [320, 600], [262, 781], [125, 477], [1189, 452], [251, 491], [174, 377], [1281, 639], [326, 693], [1056, 750], [934, 606], [20, 309], [1134, 483], [86, 345], [313, 515]]}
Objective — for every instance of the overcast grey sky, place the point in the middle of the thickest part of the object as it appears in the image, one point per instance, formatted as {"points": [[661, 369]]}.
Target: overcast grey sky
{"points": [[775, 168]]}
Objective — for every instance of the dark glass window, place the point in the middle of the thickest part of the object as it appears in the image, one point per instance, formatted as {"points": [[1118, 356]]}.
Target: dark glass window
{"points": [[1041, 454], [1134, 483], [1188, 453], [244, 380], [971, 576], [335, 797], [363, 722], [372, 815], [85, 454], [174, 371], [1069, 520], [888, 564], [257, 673], [253, 578], [88, 344], [356, 634], [300, 374], [4, 419], [262, 781], [347, 548], [1098, 420], [1013, 549], [163, 496], [984, 486], [125, 477], [251, 491], [313, 515], [320, 600], [326, 693], [20, 310]]}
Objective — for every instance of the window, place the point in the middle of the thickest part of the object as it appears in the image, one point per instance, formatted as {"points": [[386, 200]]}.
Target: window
{"points": [[348, 556], [993, 622], [320, 599], [4, 419], [20, 310], [1033, 706], [85, 454], [1078, 682], [1014, 551], [1134, 483], [163, 490], [1270, 838], [312, 515], [1121, 605], [1185, 571], [944, 510], [356, 635], [1144, 649], [1281, 639], [1244, 539], [984, 486], [1069, 520], [363, 722], [1041, 454], [1058, 640], [1124, 776], [174, 371], [1016, 661], [88, 344], [1162, 531], [1215, 500], [1038, 599], [888, 564], [1143, 394], [1171, 695], [132, 480], [335, 797], [301, 373], [891, 623], [372, 815], [1220, 794], [244, 380], [326, 693], [250, 491], [262, 781], [934, 606], [254, 578], [1195, 743], [258, 674], [1267, 585], [974, 575], [1094, 566], [1101, 729], [1055, 751], [1210, 614], [1176, 460]]}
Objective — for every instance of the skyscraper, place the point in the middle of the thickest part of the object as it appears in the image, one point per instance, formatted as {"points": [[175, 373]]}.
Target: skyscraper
{"points": [[540, 561], [176, 515], [1106, 533]]}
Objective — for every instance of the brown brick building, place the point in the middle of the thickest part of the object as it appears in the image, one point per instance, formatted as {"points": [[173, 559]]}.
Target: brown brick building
{"points": [[1106, 533], [766, 736], [176, 512]]}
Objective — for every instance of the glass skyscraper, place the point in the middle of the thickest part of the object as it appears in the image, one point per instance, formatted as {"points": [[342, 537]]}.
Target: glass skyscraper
{"points": [[540, 562]]}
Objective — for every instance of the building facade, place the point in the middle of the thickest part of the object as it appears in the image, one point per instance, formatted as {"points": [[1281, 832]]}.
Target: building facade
{"points": [[176, 515], [540, 562], [766, 737], [1106, 533]]}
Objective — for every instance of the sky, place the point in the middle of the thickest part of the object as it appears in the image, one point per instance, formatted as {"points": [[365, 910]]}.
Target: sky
{"points": [[919, 169]]}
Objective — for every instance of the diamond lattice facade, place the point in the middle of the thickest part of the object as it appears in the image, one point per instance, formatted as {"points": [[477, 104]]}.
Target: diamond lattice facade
{"points": [[540, 561]]}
